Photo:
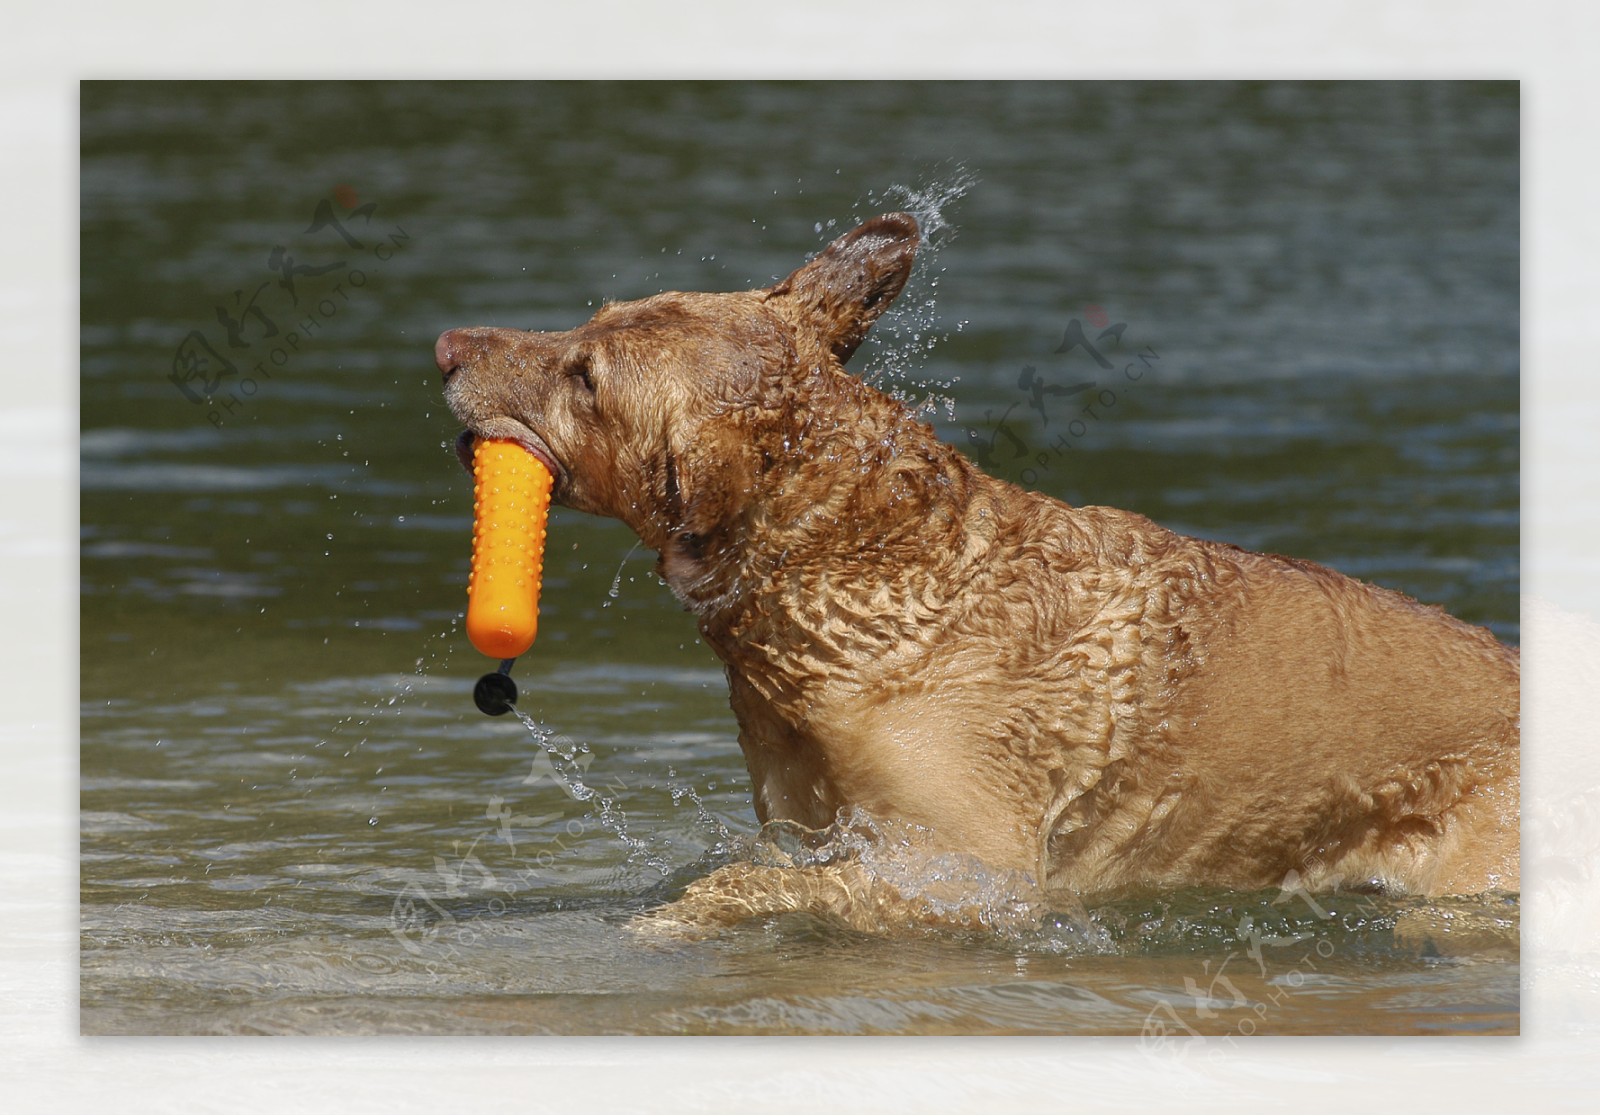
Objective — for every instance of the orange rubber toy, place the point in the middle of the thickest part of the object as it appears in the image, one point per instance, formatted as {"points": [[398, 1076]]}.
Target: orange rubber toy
{"points": [[511, 503]]}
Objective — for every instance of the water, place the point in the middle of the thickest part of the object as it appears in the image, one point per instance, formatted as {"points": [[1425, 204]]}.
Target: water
{"points": [[294, 820]]}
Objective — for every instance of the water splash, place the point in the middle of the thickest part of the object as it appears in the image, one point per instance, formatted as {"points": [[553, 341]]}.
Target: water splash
{"points": [[605, 808], [911, 330], [936, 889], [616, 582], [703, 817], [934, 886], [929, 202]]}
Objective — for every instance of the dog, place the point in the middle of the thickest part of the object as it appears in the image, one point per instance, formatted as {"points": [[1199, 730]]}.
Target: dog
{"points": [[1073, 694]]}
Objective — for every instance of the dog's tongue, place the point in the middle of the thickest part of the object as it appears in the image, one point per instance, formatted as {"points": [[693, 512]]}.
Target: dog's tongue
{"points": [[511, 504]]}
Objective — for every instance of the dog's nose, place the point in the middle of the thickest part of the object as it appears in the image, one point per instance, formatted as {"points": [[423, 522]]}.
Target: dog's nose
{"points": [[448, 351]]}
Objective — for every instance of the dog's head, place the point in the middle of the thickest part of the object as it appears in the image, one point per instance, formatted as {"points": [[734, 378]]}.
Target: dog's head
{"points": [[670, 413]]}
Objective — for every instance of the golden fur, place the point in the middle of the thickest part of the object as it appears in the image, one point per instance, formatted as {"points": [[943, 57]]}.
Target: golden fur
{"points": [[1073, 693]]}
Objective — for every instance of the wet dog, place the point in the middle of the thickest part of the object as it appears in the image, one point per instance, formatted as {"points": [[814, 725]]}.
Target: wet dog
{"points": [[1072, 694]]}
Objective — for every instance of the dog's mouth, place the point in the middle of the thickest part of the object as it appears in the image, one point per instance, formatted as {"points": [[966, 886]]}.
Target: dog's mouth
{"points": [[511, 431]]}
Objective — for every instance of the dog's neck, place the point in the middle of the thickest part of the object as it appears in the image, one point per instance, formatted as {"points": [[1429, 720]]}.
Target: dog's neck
{"points": [[863, 529]]}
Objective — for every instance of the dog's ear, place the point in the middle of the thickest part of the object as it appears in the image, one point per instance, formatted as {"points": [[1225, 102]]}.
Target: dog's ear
{"points": [[841, 292]]}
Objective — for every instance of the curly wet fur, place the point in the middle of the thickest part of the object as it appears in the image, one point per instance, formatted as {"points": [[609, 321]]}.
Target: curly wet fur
{"points": [[1076, 693]]}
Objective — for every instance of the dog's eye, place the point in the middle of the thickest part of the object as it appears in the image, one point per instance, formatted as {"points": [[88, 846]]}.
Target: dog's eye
{"points": [[579, 370]]}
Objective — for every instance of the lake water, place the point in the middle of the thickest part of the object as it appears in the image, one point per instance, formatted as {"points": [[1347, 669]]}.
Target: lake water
{"points": [[294, 820]]}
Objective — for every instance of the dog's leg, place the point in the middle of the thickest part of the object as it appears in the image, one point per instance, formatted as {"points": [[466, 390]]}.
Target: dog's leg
{"points": [[844, 893]]}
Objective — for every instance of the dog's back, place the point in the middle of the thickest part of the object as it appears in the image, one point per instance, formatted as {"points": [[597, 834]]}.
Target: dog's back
{"points": [[1286, 718]]}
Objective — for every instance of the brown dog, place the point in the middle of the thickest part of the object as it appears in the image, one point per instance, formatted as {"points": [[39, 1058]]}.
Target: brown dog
{"points": [[1073, 693]]}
